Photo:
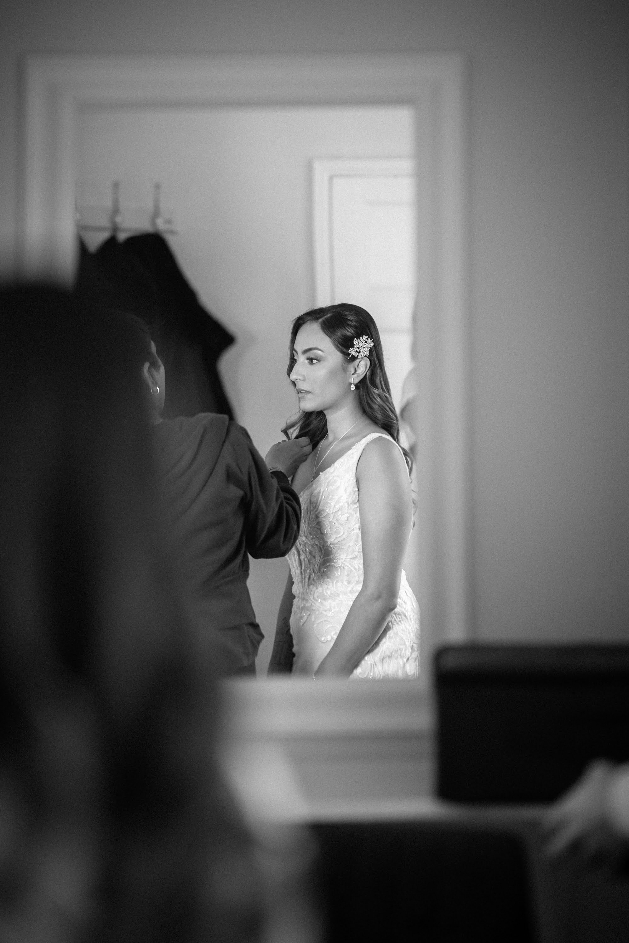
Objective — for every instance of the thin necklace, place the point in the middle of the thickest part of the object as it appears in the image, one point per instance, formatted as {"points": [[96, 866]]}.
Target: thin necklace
{"points": [[318, 463]]}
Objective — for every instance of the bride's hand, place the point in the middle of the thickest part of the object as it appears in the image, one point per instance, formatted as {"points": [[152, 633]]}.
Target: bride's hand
{"points": [[288, 455]]}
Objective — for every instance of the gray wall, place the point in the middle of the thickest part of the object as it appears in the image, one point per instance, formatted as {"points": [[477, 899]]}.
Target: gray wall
{"points": [[548, 239]]}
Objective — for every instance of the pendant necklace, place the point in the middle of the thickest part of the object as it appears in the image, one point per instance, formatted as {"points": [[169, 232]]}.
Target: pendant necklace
{"points": [[317, 463]]}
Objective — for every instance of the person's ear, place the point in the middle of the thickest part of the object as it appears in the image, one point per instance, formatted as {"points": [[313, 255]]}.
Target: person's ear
{"points": [[359, 370], [148, 375]]}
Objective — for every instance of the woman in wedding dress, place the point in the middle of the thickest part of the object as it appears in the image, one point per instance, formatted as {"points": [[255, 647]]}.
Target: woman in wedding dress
{"points": [[347, 610]]}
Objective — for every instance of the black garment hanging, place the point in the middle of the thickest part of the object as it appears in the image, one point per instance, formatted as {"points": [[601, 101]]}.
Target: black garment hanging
{"points": [[133, 286], [188, 338], [141, 275], [96, 286]]}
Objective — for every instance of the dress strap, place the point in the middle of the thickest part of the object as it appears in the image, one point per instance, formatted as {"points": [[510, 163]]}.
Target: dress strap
{"points": [[357, 449], [374, 435]]}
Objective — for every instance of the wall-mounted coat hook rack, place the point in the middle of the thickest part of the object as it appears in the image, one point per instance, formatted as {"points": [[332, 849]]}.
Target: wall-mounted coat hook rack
{"points": [[160, 223], [115, 222]]}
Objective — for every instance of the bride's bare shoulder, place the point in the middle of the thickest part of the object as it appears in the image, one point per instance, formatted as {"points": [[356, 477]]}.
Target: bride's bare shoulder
{"points": [[382, 453]]}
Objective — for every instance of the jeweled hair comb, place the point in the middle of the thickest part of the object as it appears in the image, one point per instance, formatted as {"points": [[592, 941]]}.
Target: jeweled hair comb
{"points": [[361, 346]]}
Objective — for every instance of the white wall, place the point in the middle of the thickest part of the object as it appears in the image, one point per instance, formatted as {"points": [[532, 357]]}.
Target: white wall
{"points": [[238, 184], [549, 242]]}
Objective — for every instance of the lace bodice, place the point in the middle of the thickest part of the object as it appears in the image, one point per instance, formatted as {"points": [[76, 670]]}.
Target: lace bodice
{"points": [[326, 565]]}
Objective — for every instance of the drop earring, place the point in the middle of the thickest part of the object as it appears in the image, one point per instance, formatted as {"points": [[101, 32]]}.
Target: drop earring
{"points": [[351, 386]]}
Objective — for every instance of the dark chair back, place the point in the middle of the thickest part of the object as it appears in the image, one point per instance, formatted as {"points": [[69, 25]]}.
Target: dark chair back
{"points": [[518, 723], [423, 882]]}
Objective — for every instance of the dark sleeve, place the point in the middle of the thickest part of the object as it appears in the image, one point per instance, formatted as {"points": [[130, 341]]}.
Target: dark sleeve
{"points": [[273, 512]]}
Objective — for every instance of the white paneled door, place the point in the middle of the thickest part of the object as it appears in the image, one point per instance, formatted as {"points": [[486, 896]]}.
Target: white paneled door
{"points": [[365, 237], [365, 248]]}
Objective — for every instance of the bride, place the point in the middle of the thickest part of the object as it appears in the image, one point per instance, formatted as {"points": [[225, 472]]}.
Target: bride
{"points": [[347, 610]]}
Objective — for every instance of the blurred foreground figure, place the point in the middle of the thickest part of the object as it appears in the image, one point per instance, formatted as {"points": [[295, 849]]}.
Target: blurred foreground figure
{"points": [[116, 823], [592, 819]]}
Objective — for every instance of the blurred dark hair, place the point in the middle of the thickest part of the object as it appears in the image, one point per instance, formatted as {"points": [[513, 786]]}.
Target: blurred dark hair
{"points": [[140, 338], [108, 716], [344, 323]]}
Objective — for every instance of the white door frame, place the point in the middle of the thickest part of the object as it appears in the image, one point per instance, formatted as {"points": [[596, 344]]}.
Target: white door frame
{"points": [[57, 89]]}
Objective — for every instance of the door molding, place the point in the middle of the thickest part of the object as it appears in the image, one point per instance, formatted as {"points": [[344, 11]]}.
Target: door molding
{"points": [[324, 170]]}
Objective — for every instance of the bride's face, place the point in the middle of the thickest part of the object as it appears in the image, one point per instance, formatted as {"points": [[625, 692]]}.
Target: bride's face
{"points": [[321, 375]]}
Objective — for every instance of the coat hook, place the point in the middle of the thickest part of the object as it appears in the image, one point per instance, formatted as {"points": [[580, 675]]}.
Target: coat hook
{"points": [[157, 219], [115, 219]]}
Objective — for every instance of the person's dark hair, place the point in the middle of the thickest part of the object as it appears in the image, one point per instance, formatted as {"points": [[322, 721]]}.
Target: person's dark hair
{"points": [[138, 349], [118, 823], [344, 323], [143, 337]]}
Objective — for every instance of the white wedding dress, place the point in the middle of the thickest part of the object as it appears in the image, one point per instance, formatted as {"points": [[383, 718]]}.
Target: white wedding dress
{"points": [[326, 565]]}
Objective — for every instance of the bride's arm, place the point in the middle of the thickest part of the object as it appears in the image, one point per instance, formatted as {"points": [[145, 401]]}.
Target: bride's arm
{"points": [[282, 655], [385, 503]]}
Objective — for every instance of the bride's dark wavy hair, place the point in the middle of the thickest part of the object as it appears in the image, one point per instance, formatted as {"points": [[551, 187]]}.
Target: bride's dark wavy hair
{"points": [[343, 324]]}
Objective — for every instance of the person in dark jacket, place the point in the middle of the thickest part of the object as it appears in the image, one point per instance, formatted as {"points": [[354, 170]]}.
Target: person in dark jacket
{"points": [[223, 503], [119, 822]]}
